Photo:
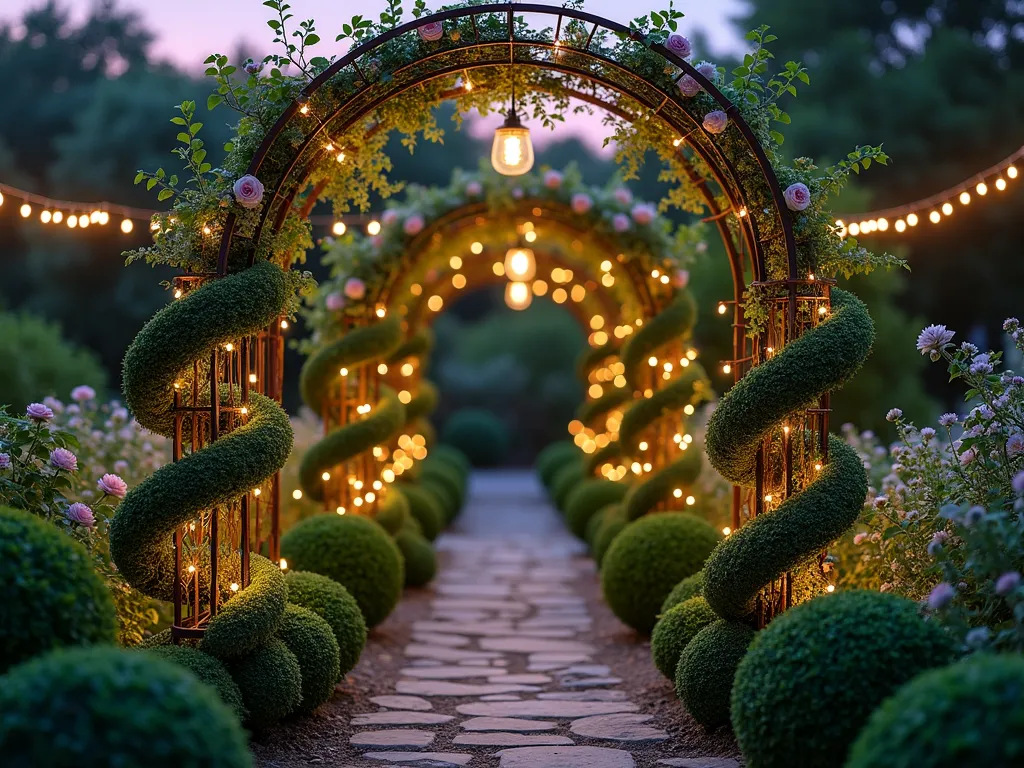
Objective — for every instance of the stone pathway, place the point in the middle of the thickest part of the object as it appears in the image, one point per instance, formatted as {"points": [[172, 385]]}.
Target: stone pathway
{"points": [[507, 655]]}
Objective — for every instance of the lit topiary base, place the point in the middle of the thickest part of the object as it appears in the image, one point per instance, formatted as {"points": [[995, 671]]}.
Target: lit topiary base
{"points": [[98, 707], [52, 597], [208, 669], [648, 559], [270, 680], [355, 552], [967, 715], [419, 557], [707, 668], [311, 640], [675, 629], [333, 603], [815, 674]]}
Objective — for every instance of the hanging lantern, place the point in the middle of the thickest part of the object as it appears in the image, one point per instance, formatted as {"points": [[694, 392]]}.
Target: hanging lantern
{"points": [[512, 150], [520, 264], [518, 295]]}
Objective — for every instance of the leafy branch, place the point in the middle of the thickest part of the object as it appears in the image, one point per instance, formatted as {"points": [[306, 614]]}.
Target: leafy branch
{"points": [[191, 153]]}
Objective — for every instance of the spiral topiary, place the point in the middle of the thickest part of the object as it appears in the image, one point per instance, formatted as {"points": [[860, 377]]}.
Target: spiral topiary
{"points": [[208, 669], [613, 522], [675, 628], [967, 715], [812, 678], [354, 551], [479, 434], [270, 681], [568, 476], [683, 591], [311, 639], [418, 555], [52, 596], [452, 455], [594, 525], [393, 511], [586, 498], [98, 707], [707, 667], [553, 457], [425, 509], [335, 605], [648, 559]]}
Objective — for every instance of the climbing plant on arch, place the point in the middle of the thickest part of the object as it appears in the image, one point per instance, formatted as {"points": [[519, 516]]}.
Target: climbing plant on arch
{"points": [[207, 369]]}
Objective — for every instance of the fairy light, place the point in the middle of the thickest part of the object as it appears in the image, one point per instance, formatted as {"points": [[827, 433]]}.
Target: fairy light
{"points": [[284, 325], [339, 228], [296, 494], [284, 564], [25, 210], [373, 228]]}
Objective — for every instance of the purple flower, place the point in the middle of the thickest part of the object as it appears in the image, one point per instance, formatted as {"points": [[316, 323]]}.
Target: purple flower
{"points": [[581, 202], [474, 189], [1015, 445], [83, 393], [248, 191], [894, 414], [335, 301], [623, 196], [63, 459], [431, 32], [1018, 482], [389, 217], [798, 196], [517, 193], [355, 288], [620, 222], [948, 419], [679, 45], [81, 514], [941, 596], [708, 69], [121, 466], [716, 122], [643, 213], [934, 339], [977, 637], [688, 86], [927, 433], [38, 412], [5, 461], [553, 179], [253, 67], [1006, 583], [967, 457], [112, 485], [1011, 324], [413, 224], [973, 515]]}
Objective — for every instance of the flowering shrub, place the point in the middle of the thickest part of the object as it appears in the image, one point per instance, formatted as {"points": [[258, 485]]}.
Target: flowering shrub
{"points": [[56, 462], [942, 521]]}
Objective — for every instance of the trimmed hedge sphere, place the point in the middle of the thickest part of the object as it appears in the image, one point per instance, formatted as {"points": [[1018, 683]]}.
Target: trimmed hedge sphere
{"points": [[270, 680], [815, 674], [567, 477], [613, 522], [587, 498], [451, 455], [648, 559], [707, 668], [355, 552], [420, 560], [393, 511], [554, 457], [311, 640], [442, 495], [967, 715], [594, 524], [208, 669], [425, 509], [100, 707], [683, 591], [333, 603], [52, 597], [480, 435], [675, 629]]}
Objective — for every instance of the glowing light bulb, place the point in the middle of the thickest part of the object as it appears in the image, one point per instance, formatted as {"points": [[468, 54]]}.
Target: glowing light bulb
{"points": [[435, 303], [854, 229], [296, 494], [58, 217], [830, 588], [25, 210], [982, 188], [1012, 172], [726, 531], [947, 208], [126, 225], [1000, 184], [326, 476], [373, 228], [284, 325], [518, 295], [252, 378], [512, 149], [234, 587], [476, 248], [934, 217], [726, 368], [912, 219], [965, 197], [45, 217], [901, 225], [256, 491], [382, 368], [691, 500], [520, 264], [339, 228], [721, 308]]}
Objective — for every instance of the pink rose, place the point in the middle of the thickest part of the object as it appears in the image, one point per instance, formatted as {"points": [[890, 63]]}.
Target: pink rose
{"points": [[859, 538], [623, 196], [688, 86], [389, 217], [553, 179], [679, 45], [355, 288], [248, 191], [62, 458], [335, 301], [643, 213], [680, 278], [112, 485], [474, 189], [431, 32], [39, 412], [413, 225], [581, 202], [252, 67], [716, 122], [81, 514], [82, 393], [798, 196], [620, 222], [709, 70]]}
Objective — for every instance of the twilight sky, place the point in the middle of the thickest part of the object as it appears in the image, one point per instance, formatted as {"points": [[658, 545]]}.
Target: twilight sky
{"points": [[189, 30]]}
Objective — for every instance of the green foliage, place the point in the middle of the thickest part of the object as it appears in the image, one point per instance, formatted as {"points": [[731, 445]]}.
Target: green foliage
{"points": [[354, 551], [333, 603], [586, 498], [251, 617], [393, 510], [553, 457], [613, 522], [479, 434], [94, 707], [270, 680], [565, 480], [648, 559], [441, 492], [36, 360], [689, 587], [707, 668], [311, 639], [674, 322], [425, 509], [451, 455], [675, 628], [418, 556], [208, 669], [660, 485], [967, 715], [594, 525], [811, 679], [52, 596]]}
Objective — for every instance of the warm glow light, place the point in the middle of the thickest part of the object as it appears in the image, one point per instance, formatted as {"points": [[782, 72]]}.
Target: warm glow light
{"points": [[559, 296], [498, 268], [934, 217], [947, 208], [982, 188], [830, 588], [339, 228], [83, 221], [518, 295], [58, 217], [26, 210], [1000, 184], [530, 236], [691, 500], [883, 225], [726, 368], [455, 262], [126, 225], [434, 303], [476, 248], [721, 308], [373, 228], [726, 531], [901, 225], [1012, 172], [854, 229], [912, 219], [539, 288], [407, 369], [296, 494], [326, 476], [382, 368], [343, 371], [965, 197], [234, 587], [512, 150], [578, 293], [72, 222], [284, 325], [284, 564], [520, 264], [459, 281]]}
